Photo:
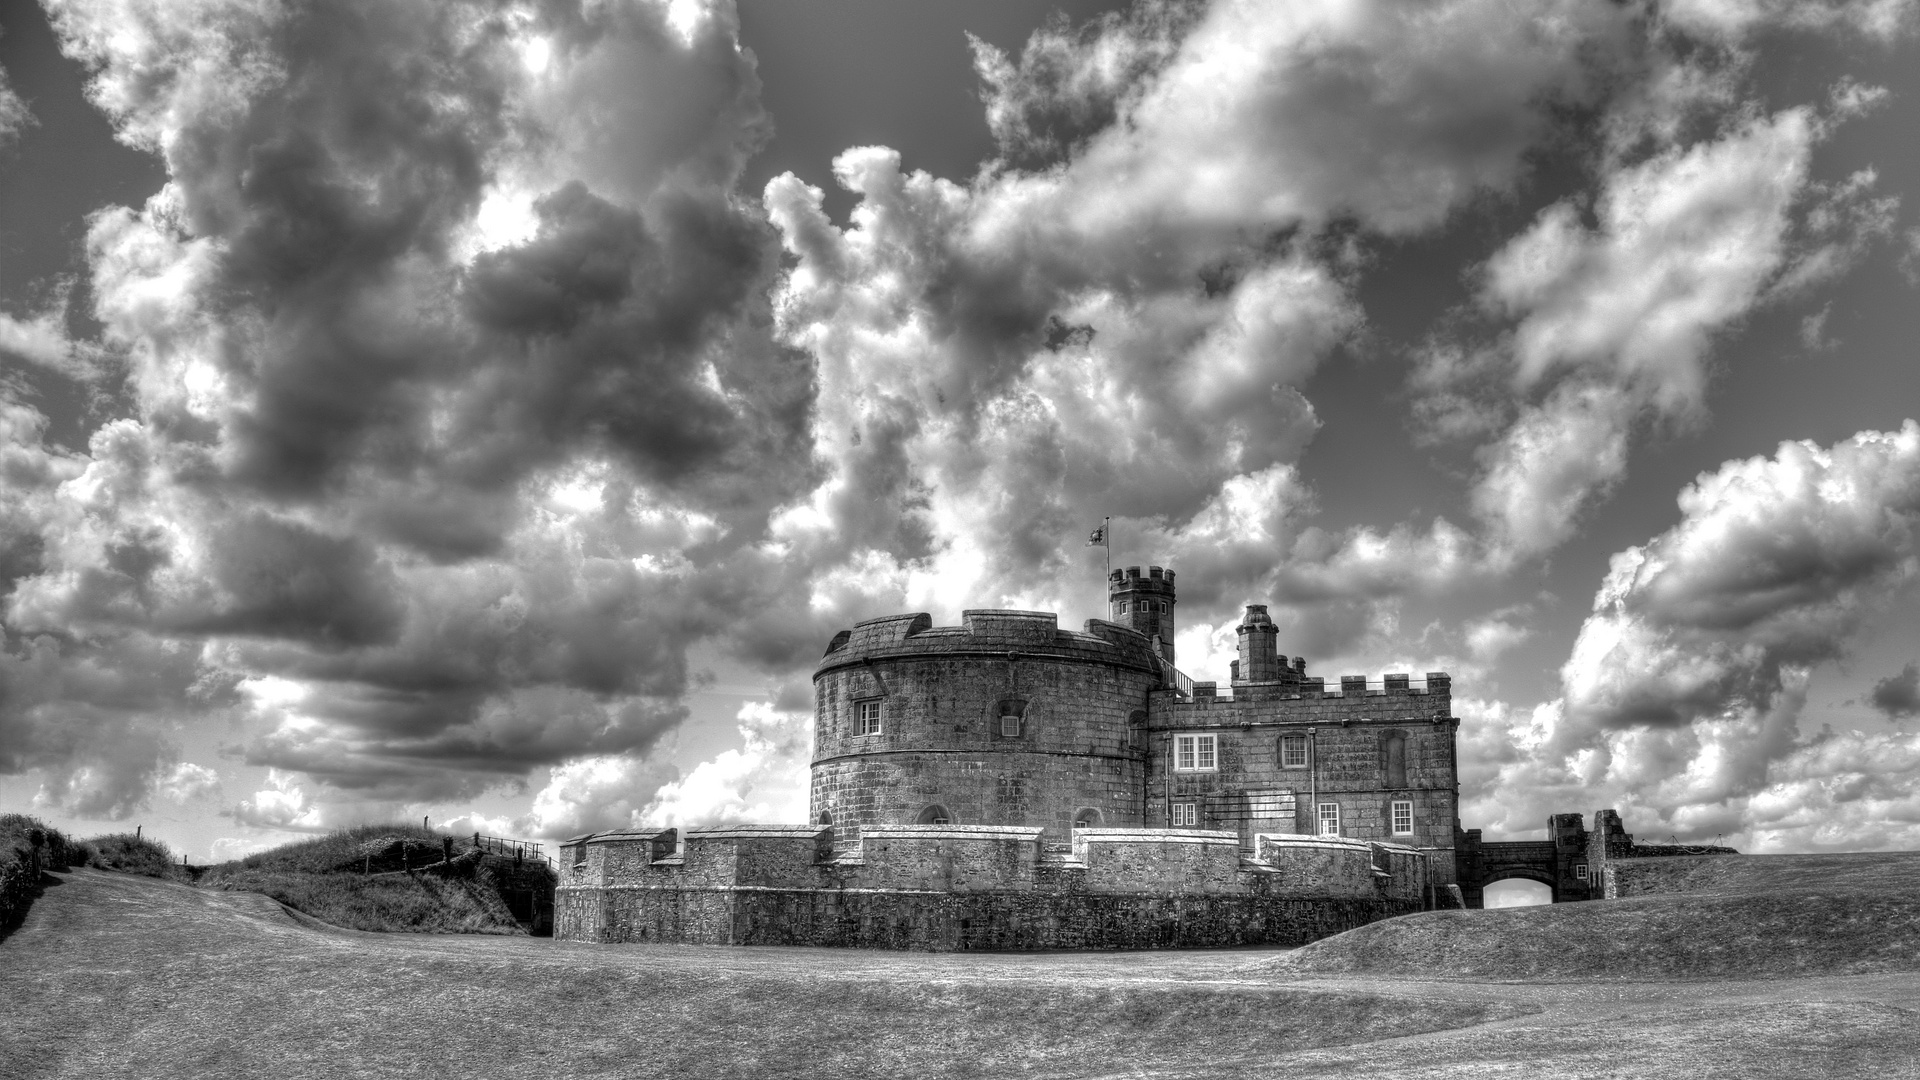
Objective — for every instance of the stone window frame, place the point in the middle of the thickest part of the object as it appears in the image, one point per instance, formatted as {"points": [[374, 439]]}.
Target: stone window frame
{"points": [[580, 855], [1391, 739], [1087, 817], [1289, 743], [1324, 814], [1137, 729], [1393, 817], [1014, 709], [1183, 815], [1196, 756], [861, 716], [1120, 607], [933, 814], [1580, 871]]}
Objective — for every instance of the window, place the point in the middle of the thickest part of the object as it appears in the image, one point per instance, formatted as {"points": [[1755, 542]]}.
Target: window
{"points": [[934, 815], [580, 858], [1088, 818], [1120, 608], [1195, 753], [1395, 745], [1580, 871], [1293, 752], [1329, 819], [867, 717], [1012, 712], [1403, 819], [826, 817], [1185, 814]]}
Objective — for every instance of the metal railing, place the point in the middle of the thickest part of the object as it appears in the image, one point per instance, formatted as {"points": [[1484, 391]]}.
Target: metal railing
{"points": [[502, 845]]}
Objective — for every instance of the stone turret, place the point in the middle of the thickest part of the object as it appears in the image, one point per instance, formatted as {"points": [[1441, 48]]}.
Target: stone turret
{"points": [[1144, 604], [1260, 659]]}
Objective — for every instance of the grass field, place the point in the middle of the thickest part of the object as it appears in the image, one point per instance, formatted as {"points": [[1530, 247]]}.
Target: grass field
{"points": [[1746, 916], [117, 976]]}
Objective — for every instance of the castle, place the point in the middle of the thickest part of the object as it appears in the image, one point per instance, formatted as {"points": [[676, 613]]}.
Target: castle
{"points": [[1009, 784]]}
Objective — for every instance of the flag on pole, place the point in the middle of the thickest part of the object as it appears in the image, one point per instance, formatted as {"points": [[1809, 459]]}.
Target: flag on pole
{"points": [[1098, 538]]}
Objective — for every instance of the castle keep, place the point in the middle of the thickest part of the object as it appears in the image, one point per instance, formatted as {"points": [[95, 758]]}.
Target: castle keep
{"points": [[1006, 783]]}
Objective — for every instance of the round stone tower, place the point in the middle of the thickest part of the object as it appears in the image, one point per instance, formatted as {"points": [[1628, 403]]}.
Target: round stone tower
{"points": [[1144, 604], [1003, 720]]}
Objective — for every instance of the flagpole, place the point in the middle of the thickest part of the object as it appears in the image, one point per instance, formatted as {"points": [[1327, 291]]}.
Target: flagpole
{"points": [[1106, 535]]}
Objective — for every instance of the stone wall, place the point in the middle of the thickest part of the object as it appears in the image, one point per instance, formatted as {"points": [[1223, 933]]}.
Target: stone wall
{"points": [[977, 887], [1077, 701], [1347, 733]]}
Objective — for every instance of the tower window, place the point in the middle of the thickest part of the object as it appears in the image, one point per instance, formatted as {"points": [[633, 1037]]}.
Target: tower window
{"points": [[1087, 818], [1329, 819], [866, 717], [1293, 751], [1013, 713], [1403, 819], [934, 815], [1184, 814], [1195, 753], [1120, 608]]}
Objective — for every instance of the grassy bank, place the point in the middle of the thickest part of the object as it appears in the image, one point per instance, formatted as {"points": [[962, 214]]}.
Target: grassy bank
{"points": [[384, 878], [1738, 916], [28, 849]]}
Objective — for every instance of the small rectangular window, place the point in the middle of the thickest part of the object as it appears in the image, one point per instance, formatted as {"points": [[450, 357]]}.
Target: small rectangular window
{"points": [[1120, 608], [1293, 752], [1329, 819], [1185, 815], [867, 717], [1580, 871], [1195, 753], [580, 856], [1403, 819], [1010, 726]]}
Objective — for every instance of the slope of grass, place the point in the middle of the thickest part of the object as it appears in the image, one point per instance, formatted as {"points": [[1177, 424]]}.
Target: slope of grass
{"points": [[1740, 916], [128, 853], [351, 878], [152, 981], [28, 848]]}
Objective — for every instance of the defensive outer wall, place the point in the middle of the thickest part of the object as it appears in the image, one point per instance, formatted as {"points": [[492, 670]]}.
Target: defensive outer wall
{"points": [[977, 887]]}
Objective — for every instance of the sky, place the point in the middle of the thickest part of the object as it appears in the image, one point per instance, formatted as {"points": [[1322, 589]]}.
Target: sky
{"points": [[487, 411]]}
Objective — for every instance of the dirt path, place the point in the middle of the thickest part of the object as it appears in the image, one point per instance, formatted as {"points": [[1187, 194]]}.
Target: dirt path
{"points": [[114, 976]]}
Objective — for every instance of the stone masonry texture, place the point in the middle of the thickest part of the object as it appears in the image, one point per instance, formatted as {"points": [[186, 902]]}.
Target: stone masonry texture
{"points": [[1009, 784]]}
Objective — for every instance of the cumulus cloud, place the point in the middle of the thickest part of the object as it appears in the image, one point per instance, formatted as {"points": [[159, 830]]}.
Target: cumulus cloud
{"points": [[187, 782], [465, 394], [1685, 689], [764, 780], [1898, 695], [283, 804], [446, 341], [14, 114]]}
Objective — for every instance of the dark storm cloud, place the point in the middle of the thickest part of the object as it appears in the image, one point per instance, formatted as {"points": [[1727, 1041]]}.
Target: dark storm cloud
{"points": [[1898, 696], [429, 493]]}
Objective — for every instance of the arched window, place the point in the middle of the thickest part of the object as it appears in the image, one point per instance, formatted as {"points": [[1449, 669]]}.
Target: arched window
{"points": [[1086, 818], [826, 817], [934, 815]]}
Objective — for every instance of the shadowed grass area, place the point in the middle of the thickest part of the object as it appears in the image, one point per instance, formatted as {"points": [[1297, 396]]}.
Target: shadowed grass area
{"points": [[399, 903], [128, 853], [352, 878], [28, 848], [1738, 917]]}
